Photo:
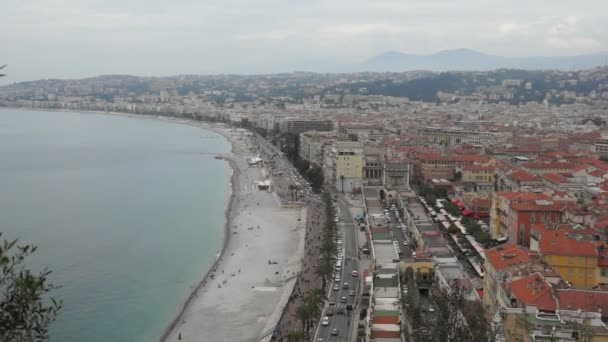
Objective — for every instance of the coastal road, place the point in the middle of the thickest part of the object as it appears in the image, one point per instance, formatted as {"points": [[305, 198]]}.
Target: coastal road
{"points": [[350, 248]]}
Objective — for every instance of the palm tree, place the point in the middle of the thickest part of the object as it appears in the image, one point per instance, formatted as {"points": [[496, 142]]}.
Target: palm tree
{"points": [[304, 315], [316, 299], [324, 270], [295, 336]]}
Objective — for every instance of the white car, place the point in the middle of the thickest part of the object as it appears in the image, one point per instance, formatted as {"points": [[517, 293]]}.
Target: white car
{"points": [[325, 321], [355, 274]]}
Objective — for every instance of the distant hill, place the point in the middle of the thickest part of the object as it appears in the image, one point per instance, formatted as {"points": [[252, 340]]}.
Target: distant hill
{"points": [[466, 59]]}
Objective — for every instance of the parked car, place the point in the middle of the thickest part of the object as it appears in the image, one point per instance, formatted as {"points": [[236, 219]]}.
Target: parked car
{"points": [[336, 287], [325, 321]]}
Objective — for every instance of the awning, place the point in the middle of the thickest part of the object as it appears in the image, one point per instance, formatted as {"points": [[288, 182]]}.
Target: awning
{"points": [[455, 200], [460, 205], [466, 212]]}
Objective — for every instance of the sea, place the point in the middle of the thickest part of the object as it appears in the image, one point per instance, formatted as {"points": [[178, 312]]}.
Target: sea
{"points": [[128, 214]]}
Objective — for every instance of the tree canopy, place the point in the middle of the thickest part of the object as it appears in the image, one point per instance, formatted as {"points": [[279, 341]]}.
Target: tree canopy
{"points": [[26, 311]]}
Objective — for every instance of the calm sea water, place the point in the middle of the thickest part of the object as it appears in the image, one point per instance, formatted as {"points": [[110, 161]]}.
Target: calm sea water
{"points": [[127, 213]]}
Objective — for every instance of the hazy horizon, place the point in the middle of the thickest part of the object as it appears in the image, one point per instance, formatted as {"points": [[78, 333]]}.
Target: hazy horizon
{"points": [[76, 39]]}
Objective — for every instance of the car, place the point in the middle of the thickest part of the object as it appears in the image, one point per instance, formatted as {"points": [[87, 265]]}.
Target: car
{"points": [[431, 309], [325, 321], [337, 279], [334, 331], [355, 274], [405, 243], [332, 303], [336, 288], [336, 220], [340, 311], [345, 286], [329, 312], [351, 293], [342, 299]]}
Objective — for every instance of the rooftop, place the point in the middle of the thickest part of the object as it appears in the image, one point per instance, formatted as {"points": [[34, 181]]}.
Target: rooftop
{"points": [[507, 255]]}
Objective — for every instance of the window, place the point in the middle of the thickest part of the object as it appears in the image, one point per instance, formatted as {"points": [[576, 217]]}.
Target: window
{"points": [[604, 272], [581, 273], [590, 274], [548, 257], [570, 271], [571, 260], [581, 260]]}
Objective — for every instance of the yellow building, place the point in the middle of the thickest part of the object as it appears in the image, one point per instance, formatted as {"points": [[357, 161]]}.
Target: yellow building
{"points": [[478, 174], [573, 256], [348, 165]]}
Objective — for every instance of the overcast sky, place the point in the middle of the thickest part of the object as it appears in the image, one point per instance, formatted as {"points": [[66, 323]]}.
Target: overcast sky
{"points": [[81, 38]]}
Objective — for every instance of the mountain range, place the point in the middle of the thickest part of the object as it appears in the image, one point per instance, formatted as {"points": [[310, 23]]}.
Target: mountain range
{"points": [[466, 60]]}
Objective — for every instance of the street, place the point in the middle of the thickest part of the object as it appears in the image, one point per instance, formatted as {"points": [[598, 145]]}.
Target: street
{"points": [[349, 247]]}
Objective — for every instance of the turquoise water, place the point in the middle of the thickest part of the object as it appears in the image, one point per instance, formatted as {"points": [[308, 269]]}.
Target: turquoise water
{"points": [[127, 213]]}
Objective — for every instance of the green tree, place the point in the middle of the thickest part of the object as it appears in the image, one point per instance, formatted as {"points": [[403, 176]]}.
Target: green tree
{"points": [[304, 315], [315, 299], [295, 336], [25, 310]]}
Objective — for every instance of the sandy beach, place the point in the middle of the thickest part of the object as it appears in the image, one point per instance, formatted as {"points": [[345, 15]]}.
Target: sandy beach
{"points": [[243, 296]]}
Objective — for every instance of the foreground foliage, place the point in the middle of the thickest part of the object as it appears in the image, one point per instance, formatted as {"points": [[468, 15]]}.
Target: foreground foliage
{"points": [[25, 310]]}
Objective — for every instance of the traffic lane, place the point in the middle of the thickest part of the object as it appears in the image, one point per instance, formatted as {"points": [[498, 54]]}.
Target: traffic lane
{"points": [[341, 321], [398, 235], [335, 296], [352, 248]]}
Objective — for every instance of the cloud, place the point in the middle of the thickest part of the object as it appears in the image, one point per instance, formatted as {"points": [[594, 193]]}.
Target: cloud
{"points": [[513, 29], [187, 36], [569, 33], [271, 35]]}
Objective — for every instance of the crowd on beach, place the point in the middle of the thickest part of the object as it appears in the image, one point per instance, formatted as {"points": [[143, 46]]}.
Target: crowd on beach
{"points": [[308, 279]]}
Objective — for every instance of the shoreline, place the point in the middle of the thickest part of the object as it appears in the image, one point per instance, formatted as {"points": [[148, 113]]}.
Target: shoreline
{"points": [[226, 240], [232, 215]]}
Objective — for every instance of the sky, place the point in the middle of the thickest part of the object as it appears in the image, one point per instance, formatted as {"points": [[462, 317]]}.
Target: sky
{"points": [[83, 38]]}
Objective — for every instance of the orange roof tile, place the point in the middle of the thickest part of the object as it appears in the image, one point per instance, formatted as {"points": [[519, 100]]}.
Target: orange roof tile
{"points": [[534, 289], [555, 178], [532, 206], [562, 242], [507, 255], [586, 300], [524, 176]]}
